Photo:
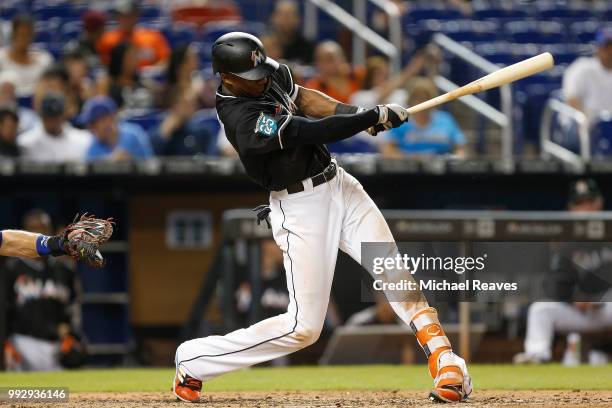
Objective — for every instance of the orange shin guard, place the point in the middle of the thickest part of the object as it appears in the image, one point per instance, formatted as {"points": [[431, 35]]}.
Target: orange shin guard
{"points": [[447, 374], [430, 336]]}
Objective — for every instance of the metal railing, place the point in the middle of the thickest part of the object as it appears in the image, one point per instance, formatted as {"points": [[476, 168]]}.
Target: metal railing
{"points": [[470, 57], [395, 29], [550, 148], [362, 34]]}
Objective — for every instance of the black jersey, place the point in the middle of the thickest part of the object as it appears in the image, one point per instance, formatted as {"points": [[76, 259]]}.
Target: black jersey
{"points": [[254, 126], [39, 296], [581, 271]]}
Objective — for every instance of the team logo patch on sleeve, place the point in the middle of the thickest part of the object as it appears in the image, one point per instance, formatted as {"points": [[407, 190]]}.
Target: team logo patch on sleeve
{"points": [[266, 126]]}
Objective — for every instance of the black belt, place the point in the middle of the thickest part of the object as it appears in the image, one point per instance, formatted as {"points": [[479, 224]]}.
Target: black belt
{"points": [[326, 175]]}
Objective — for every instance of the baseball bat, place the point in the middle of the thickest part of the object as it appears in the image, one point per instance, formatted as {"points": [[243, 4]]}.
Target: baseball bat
{"points": [[500, 77]]}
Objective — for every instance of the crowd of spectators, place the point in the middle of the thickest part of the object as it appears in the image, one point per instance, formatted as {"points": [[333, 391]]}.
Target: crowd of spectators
{"points": [[80, 106]]}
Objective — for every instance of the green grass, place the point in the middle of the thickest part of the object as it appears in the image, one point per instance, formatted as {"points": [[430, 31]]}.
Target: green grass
{"points": [[377, 377]]}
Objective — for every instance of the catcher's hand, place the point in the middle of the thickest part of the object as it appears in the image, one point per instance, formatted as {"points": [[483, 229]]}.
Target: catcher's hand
{"points": [[83, 238]]}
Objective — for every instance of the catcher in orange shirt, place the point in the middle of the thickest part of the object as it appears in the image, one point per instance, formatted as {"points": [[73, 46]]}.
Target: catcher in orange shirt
{"points": [[81, 240]]}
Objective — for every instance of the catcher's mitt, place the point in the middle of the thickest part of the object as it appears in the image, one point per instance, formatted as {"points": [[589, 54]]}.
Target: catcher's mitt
{"points": [[83, 238]]}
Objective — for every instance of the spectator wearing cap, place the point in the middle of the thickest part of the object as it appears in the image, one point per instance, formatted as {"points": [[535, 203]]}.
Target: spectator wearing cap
{"points": [[587, 82], [9, 122], [8, 97], [585, 196], [114, 140], [151, 44], [54, 140], [56, 79], [20, 58], [94, 22]]}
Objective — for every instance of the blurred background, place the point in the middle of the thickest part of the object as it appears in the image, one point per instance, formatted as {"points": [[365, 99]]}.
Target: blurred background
{"points": [[108, 107]]}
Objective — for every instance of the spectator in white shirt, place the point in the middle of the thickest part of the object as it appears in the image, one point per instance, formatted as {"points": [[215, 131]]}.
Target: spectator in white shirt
{"points": [[587, 83], [55, 140], [19, 57], [8, 96]]}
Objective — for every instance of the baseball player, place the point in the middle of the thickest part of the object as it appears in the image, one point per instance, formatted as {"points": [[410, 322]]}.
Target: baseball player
{"points": [[579, 271], [81, 240], [279, 130]]}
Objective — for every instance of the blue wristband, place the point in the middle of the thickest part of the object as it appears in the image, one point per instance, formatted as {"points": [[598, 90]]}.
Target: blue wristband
{"points": [[42, 245], [0, 238]]}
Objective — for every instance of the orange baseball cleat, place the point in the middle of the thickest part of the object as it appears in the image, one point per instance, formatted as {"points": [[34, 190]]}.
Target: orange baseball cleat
{"points": [[186, 388]]}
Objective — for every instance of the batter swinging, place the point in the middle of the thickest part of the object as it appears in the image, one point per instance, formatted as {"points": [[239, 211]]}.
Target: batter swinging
{"points": [[279, 130]]}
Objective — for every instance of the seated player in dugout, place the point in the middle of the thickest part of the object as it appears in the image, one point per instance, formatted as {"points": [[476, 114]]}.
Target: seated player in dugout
{"points": [[279, 130], [578, 288]]}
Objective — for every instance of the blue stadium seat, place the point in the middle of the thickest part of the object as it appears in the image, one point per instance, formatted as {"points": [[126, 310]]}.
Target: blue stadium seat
{"points": [[601, 136], [7, 13], [496, 52], [531, 101], [180, 33], [71, 30], [584, 31], [470, 31], [428, 13], [207, 118], [500, 14], [567, 13], [149, 13], [149, 120], [64, 11], [548, 32]]}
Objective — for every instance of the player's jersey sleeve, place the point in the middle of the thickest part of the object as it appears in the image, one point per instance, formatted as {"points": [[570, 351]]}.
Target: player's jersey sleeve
{"points": [[253, 128], [285, 80]]}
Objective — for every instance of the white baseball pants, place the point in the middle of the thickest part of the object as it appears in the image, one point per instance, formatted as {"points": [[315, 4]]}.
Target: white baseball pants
{"points": [[544, 319], [309, 227]]}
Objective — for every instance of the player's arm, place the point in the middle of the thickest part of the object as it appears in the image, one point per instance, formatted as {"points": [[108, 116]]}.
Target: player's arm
{"points": [[287, 131], [26, 244], [316, 104], [81, 240]]}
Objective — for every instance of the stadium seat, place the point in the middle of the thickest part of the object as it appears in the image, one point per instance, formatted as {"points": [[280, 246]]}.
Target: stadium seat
{"points": [[547, 32], [470, 31], [565, 13], [71, 30], [64, 11], [502, 14], [531, 99], [428, 13], [149, 13], [204, 15], [584, 31], [601, 136], [149, 120], [180, 33], [207, 118]]}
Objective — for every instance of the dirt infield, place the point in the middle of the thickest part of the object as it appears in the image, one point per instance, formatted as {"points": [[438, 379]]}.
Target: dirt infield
{"points": [[336, 399]]}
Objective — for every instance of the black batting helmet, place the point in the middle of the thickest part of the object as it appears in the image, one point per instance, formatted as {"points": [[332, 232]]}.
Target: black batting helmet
{"points": [[243, 55]]}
